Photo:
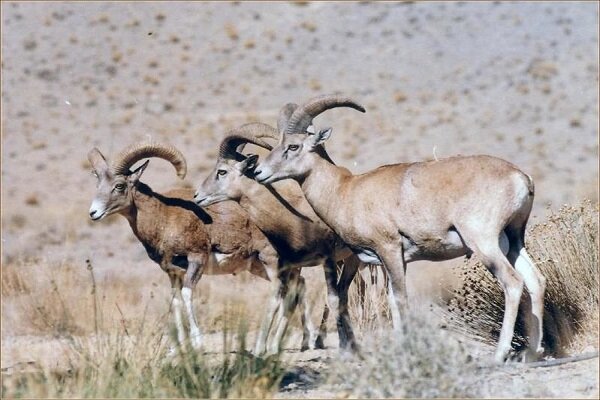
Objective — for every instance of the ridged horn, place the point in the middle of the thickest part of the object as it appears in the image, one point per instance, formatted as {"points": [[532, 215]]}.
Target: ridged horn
{"points": [[303, 115], [134, 153], [248, 133], [284, 116]]}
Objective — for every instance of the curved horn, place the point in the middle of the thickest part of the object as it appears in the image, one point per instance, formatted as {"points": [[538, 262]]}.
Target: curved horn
{"points": [[126, 158], [248, 133], [284, 116], [303, 115]]}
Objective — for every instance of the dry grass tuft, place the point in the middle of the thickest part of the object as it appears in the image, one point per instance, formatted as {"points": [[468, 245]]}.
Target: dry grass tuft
{"points": [[232, 32], [565, 249], [419, 361], [55, 300], [124, 365], [368, 302], [123, 357]]}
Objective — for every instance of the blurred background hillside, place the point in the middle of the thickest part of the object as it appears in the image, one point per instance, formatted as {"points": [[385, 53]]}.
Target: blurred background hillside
{"points": [[515, 80]]}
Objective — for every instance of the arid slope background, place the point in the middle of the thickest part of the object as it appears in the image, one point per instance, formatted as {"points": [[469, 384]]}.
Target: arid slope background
{"points": [[514, 80]]}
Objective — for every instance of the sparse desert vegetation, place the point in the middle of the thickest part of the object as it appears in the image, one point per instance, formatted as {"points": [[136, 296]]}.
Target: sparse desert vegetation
{"points": [[106, 338]]}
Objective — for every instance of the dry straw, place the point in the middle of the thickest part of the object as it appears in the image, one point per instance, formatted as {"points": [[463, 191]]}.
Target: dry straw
{"points": [[565, 249]]}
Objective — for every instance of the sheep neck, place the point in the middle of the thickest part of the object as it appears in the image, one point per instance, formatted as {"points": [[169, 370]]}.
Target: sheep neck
{"points": [[323, 186], [143, 202], [272, 211]]}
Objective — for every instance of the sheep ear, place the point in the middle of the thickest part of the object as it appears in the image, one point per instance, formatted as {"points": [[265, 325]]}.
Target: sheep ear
{"points": [[97, 161], [249, 163], [321, 137], [137, 174]]}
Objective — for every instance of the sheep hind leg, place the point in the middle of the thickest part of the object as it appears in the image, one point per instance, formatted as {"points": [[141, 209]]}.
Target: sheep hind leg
{"points": [[191, 278], [289, 301], [308, 328], [320, 341], [536, 285], [486, 246]]}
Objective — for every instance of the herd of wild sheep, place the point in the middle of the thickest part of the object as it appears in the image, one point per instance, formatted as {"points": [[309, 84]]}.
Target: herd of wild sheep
{"points": [[297, 208]]}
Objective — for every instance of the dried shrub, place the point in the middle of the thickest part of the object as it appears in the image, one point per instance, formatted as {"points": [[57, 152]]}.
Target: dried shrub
{"points": [[32, 200], [232, 32], [18, 221], [315, 85], [137, 364], [565, 249], [368, 301], [420, 360], [400, 97], [542, 69]]}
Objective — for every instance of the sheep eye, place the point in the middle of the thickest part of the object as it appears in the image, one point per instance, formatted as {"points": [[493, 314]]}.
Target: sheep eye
{"points": [[221, 172], [120, 187], [293, 147]]}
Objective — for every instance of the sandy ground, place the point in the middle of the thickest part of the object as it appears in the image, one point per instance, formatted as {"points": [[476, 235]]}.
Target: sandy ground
{"points": [[519, 81], [306, 372], [307, 379]]}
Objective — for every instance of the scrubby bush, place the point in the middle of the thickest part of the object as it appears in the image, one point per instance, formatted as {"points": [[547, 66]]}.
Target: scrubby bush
{"points": [[565, 249], [421, 360]]}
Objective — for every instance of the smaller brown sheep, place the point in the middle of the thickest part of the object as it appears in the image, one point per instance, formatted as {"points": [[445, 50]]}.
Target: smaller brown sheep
{"points": [[183, 238]]}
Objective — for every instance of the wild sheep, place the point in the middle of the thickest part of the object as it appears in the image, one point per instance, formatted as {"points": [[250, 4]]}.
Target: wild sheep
{"points": [[287, 220], [186, 240], [434, 210]]}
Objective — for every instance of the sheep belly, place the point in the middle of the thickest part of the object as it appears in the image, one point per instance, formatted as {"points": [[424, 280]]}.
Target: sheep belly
{"points": [[226, 264]]}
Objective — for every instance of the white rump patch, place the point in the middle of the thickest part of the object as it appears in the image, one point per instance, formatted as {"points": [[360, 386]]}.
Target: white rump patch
{"points": [[521, 191]]}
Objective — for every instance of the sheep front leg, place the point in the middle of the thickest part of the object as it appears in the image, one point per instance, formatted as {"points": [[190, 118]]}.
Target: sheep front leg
{"points": [[395, 268], [288, 296], [272, 307], [269, 258], [351, 265], [176, 302], [191, 278]]}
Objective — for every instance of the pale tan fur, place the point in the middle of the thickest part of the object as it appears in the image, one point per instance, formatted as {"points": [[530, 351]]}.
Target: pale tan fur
{"points": [[300, 237], [434, 210]]}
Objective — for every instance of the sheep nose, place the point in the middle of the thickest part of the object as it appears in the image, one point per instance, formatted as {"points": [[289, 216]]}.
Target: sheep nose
{"points": [[92, 213], [257, 172]]}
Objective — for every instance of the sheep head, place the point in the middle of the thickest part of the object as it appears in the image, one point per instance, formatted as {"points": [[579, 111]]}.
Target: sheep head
{"points": [[291, 158], [117, 183], [227, 177]]}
